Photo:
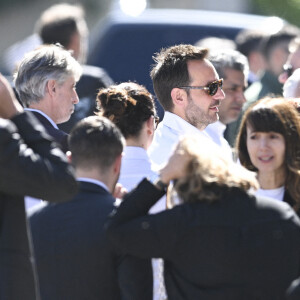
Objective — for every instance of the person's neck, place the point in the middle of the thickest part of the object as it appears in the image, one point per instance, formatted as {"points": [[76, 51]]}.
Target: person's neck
{"points": [[271, 180], [96, 174], [131, 142]]}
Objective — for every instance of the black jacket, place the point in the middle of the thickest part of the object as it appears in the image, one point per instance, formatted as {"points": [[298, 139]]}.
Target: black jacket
{"points": [[29, 165], [74, 259], [239, 247], [58, 135]]}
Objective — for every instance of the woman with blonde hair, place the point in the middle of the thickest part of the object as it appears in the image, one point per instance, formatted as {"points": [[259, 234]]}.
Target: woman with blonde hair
{"points": [[219, 242], [269, 144]]}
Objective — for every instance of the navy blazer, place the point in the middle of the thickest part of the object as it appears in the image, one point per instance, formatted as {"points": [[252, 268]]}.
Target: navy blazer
{"points": [[74, 259], [28, 166], [240, 247], [59, 136]]}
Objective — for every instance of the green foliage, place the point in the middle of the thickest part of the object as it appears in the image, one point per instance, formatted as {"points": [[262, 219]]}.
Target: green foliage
{"points": [[286, 9]]}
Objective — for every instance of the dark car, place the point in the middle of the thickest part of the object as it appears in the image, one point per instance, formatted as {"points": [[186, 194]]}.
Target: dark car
{"points": [[124, 45]]}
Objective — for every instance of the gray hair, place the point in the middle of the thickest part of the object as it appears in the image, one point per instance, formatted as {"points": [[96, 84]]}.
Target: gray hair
{"points": [[231, 59], [41, 65]]}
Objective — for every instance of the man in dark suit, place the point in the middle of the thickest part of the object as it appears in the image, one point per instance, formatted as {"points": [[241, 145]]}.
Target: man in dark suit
{"points": [[29, 165], [65, 24], [74, 259], [45, 82]]}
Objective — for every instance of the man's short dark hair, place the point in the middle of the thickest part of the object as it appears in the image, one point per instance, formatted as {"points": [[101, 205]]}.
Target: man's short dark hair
{"points": [[95, 141], [171, 70], [249, 40], [59, 22]]}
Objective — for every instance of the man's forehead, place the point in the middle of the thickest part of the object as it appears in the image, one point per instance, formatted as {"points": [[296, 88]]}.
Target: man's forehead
{"points": [[202, 70]]}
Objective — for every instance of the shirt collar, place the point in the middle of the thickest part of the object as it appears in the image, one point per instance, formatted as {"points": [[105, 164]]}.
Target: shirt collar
{"points": [[217, 127], [181, 126], [43, 114], [94, 181], [134, 152]]}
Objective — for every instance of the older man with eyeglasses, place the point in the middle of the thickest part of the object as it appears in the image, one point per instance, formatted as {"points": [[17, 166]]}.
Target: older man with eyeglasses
{"points": [[190, 91]]}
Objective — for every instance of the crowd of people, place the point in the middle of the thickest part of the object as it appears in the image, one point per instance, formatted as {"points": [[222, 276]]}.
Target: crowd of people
{"points": [[203, 204]]}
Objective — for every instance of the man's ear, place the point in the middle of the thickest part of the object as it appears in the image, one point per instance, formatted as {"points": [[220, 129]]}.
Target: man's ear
{"points": [[117, 165], [179, 97], [51, 87]]}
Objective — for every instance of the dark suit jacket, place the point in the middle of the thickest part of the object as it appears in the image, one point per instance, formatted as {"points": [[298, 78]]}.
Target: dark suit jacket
{"points": [[59, 136], [28, 166], [74, 259], [239, 247]]}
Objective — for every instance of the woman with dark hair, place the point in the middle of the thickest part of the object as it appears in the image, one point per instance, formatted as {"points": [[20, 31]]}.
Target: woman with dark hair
{"points": [[131, 107], [269, 144]]}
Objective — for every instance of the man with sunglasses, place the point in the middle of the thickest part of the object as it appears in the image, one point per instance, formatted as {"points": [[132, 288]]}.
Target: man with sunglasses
{"points": [[190, 91], [293, 61], [233, 67]]}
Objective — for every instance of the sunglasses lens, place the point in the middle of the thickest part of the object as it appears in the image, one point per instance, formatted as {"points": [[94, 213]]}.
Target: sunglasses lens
{"points": [[213, 87]]}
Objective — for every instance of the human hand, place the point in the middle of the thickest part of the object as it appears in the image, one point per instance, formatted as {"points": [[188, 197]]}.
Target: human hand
{"points": [[176, 165], [9, 105], [119, 191]]}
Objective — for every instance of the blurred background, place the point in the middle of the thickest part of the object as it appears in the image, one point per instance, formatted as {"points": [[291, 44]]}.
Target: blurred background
{"points": [[17, 17]]}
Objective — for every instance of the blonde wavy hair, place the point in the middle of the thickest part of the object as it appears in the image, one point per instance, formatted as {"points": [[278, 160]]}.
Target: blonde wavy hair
{"points": [[208, 174]]}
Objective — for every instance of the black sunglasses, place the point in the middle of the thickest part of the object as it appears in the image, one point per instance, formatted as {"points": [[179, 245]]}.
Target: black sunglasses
{"points": [[288, 69], [211, 88]]}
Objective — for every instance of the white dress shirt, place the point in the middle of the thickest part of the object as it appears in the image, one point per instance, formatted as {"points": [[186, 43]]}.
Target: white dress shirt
{"points": [[136, 165], [216, 132], [167, 134]]}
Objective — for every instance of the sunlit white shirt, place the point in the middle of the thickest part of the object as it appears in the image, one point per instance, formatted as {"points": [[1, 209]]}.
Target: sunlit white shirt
{"points": [[167, 134], [216, 132]]}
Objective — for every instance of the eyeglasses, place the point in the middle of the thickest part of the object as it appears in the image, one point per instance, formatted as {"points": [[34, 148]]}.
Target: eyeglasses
{"points": [[156, 121], [211, 88], [288, 69]]}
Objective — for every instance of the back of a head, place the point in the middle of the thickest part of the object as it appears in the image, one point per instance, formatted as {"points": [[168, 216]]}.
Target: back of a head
{"points": [[249, 40], [170, 70], [95, 142], [209, 173], [228, 58], [128, 105], [60, 23], [41, 65], [281, 38], [215, 43]]}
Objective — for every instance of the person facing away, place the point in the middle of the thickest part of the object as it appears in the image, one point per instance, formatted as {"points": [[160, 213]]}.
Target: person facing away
{"points": [[219, 241], [190, 91], [73, 256], [30, 164], [269, 144], [131, 107], [250, 43], [46, 84], [65, 24], [233, 67]]}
